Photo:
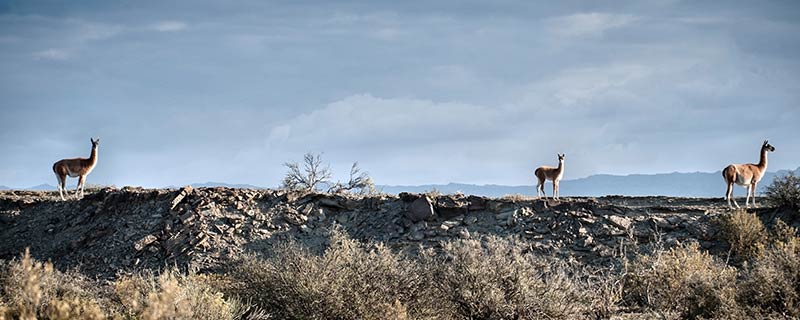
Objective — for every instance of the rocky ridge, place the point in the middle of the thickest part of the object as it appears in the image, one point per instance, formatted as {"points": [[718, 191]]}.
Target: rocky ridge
{"points": [[123, 230]]}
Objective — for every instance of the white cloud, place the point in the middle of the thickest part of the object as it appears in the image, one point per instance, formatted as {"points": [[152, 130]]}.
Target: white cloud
{"points": [[367, 121], [588, 24], [52, 54], [94, 31], [170, 26], [585, 86]]}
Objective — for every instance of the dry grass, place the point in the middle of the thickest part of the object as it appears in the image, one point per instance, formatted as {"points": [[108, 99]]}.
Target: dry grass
{"points": [[683, 281], [34, 290], [494, 279], [172, 295], [487, 278], [745, 233], [469, 279], [771, 284], [349, 280], [784, 192], [516, 197]]}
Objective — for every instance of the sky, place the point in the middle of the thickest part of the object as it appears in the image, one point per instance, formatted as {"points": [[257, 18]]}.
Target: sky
{"points": [[418, 92]]}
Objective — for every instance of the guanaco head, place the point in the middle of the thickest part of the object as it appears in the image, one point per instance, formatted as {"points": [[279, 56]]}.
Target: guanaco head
{"points": [[767, 146], [561, 157], [95, 142]]}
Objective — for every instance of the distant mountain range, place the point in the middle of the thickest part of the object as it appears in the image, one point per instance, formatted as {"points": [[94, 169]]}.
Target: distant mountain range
{"points": [[694, 184], [212, 184], [690, 184]]}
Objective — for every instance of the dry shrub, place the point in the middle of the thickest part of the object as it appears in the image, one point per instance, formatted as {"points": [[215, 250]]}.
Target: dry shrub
{"points": [[171, 295], [493, 279], [32, 289], [516, 197], [784, 192], [744, 232], [349, 280], [683, 280], [771, 284]]}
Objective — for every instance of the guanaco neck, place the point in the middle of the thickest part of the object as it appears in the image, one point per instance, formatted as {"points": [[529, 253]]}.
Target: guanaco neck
{"points": [[560, 167], [762, 163], [93, 157]]}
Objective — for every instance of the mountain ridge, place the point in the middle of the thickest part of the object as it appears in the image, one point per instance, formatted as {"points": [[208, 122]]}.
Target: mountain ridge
{"points": [[680, 184]]}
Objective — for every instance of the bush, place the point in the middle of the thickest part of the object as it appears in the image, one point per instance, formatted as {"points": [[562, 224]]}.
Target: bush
{"points": [[33, 289], [313, 175], [683, 280], [784, 192], [171, 295], [309, 177], [349, 280], [744, 232], [771, 285], [493, 279]]}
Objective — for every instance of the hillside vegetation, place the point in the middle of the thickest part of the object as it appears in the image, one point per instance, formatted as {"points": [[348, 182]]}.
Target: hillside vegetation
{"points": [[219, 253]]}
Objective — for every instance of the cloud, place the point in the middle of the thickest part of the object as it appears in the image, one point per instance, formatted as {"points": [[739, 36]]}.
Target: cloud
{"points": [[170, 26], [588, 24], [365, 121], [52, 54], [95, 31]]}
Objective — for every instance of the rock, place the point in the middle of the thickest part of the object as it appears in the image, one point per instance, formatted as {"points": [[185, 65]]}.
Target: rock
{"points": [[416, 236], [463, 233], [662, 224], [296, 219], [187, 217], [494, 206], [476, 203], [503, 216], [421, 209], [332, 203], [470, 220], [144, 242], [451, 223], [674, 220], [419, 226], [584, 244], [185, 191], [621, 222]]}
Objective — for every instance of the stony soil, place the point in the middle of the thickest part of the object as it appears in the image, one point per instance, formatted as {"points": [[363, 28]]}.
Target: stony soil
{"points": [[111, 230]]}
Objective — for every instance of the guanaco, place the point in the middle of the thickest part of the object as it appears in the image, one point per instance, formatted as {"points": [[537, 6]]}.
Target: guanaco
{"points": [[76, 167], [747, 175], [545, 173]]}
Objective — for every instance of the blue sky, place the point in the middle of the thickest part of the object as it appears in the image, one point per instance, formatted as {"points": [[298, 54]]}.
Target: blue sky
{"points": [[415, 91]]}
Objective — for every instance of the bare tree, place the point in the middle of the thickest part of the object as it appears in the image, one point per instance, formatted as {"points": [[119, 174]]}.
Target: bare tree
{"points": [[359, 180], [309, 177]]}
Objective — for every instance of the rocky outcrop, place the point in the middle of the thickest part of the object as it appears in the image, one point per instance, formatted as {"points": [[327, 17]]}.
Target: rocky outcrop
{"points": [[123, 230]]}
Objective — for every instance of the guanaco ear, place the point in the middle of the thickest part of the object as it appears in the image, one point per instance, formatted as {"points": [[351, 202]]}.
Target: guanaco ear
{"points": [[766, 142]]}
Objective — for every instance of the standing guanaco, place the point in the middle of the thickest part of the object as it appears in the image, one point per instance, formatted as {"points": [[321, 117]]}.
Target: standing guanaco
{"points": [[545, 173], [76, 167], [747, 175]]}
